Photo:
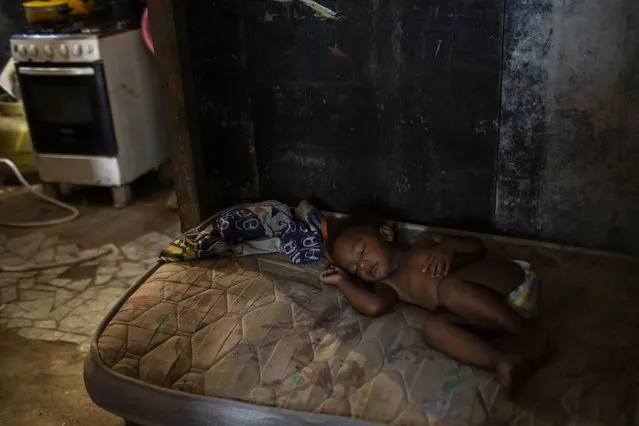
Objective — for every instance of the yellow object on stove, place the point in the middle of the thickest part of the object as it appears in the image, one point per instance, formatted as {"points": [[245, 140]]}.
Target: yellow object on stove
{"points": [[46, 11], [79, 7]]}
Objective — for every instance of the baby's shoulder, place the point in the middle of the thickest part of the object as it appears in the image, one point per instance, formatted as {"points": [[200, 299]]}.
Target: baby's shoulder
{"points": [[412, 263]]}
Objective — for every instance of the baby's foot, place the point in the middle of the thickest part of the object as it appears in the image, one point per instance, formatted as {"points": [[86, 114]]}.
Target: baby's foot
{"points": [[543, 349], [535, 348], [512, 373]]}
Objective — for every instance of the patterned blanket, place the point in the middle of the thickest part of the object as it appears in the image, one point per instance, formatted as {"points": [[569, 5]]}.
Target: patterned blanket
{"points": [[265, 227]]}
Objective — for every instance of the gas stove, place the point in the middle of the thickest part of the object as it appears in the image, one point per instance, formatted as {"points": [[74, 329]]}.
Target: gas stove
{"points": [[105, 16], [74, 41], [57, 48], [91, 96], [85, 24]]}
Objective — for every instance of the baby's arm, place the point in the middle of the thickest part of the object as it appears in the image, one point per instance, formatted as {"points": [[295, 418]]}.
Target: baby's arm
{"points": [[457, 244], [372, 300], [449, 251]]}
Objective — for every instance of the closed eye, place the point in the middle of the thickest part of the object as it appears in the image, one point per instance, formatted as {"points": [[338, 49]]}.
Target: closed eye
{"points": [[359, 251], [353, 269]]}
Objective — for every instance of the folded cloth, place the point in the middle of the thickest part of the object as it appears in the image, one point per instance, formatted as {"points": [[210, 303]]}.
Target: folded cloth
{"points": [[265, 227]]}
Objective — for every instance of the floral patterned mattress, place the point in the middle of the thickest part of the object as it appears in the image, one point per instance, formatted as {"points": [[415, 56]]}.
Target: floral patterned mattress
{"points": [[263, 335]]}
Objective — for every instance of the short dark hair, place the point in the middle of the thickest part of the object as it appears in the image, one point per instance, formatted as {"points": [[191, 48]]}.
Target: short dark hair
{"points": [[365, 221]]}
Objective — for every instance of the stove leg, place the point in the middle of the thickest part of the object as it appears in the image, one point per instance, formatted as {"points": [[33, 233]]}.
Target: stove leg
{"points": [[64, 189], [121, 196], [165, 173], [50, 190]]}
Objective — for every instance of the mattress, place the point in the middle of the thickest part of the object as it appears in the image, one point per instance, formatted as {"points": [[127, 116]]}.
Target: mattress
{"points": [[261, 341]]}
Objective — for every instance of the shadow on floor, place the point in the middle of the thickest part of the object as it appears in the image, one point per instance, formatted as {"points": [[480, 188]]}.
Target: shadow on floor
{"points": [[41, 384], [41, 381]]}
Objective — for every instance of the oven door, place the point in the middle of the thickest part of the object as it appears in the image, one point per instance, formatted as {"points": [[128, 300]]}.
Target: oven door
{"points": [[67, 108]]}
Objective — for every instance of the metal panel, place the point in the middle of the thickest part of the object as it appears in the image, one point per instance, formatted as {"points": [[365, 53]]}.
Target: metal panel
{"points": [[393, 103], [133, 88]]}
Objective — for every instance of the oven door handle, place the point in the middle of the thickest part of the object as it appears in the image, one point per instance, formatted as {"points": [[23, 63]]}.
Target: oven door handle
{"points": [[56, 71]]}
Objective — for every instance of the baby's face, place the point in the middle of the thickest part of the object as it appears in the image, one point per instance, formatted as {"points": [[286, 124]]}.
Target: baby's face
{"points": [[363, 254]]}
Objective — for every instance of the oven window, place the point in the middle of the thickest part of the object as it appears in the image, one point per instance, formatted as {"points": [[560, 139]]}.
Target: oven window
{"points": [[68, 114], [61, 105]]}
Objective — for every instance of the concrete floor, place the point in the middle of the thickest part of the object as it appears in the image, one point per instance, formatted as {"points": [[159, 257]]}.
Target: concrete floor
{"points": [[49, 316], [589, 309], [41, 384]]}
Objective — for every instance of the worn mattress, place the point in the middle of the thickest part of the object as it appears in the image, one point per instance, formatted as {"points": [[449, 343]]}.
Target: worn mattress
{"points": [[258, 341], [261, 341]]}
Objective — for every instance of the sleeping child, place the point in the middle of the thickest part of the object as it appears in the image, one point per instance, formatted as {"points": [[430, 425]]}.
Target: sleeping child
{"points": [[480, 310]]}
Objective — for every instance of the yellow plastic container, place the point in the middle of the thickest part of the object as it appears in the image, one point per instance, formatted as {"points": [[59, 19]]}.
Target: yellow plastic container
{"points": [[46, 11], [15, 140], [80, 7]]}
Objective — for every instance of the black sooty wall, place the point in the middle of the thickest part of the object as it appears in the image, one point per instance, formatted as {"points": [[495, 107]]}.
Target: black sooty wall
{"points": [[11, 20], [569, 140], [513, 116]]}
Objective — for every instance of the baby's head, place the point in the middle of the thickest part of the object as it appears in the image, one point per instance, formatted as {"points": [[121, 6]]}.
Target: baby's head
{"points": [[363, 246]]}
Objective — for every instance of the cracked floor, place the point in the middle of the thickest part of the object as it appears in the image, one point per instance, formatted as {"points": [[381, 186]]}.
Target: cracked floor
{"points": [[49, 316], [67, 303]]}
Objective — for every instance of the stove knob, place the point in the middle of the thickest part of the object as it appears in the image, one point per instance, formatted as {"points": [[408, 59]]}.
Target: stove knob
{"points": [[48, 52], [64, 50], [22, 50], [90, 49], [76, 50], [33, 50]]}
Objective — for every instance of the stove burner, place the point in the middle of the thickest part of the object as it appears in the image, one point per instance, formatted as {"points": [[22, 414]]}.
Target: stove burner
{"points": [[81, 27], [98, 22]]}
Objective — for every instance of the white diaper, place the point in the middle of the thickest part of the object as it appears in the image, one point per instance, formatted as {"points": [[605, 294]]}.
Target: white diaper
{"points": [[524, 298]]}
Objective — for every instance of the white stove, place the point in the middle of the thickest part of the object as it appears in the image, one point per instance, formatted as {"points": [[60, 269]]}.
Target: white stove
{"points": [[93, 107]]}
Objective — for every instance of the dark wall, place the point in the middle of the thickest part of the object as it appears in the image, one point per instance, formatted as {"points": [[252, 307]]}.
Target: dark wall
{"points": [[410, 103], [11, 19], [569, 140], [395, 102]]}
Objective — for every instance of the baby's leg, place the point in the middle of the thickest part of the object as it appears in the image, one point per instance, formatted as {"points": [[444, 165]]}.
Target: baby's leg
{"points": [[500, 275], [479, 305], [464, 346], [482, 306]]}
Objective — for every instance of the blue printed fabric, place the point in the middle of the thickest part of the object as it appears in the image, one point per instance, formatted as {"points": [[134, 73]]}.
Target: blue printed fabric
{"points": [[240, 224], [265, 227], [302, 245]]}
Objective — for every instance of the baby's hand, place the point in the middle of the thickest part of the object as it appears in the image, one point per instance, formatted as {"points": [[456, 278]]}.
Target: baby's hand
{"points": [[332, 275], [438, 263]]}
